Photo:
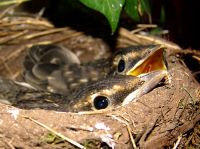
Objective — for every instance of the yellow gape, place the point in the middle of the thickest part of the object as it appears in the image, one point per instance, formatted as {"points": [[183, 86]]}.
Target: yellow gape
{"points": [[155, 61]]}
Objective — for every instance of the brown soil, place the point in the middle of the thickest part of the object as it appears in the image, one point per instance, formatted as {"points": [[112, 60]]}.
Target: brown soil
{"points": [[167, 115]]}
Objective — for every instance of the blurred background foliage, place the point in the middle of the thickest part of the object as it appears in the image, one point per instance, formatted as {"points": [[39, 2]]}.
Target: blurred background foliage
{"points": [[180, 17]]}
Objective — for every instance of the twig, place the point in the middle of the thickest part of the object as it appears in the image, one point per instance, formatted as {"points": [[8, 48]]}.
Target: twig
{"points": [[40, 13], [126, 34], [196, 57], [55, 132], [177, 142], [147, 25], [137, 30], [7, 10], [188, 52], [8, 38], [128, 128], [44, 33], [40, 43], [158, 41], [142, 27], [28, 21], [131, 136], [149, 39]]}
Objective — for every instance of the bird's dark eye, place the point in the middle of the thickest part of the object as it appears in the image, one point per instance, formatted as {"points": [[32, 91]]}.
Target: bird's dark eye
{"points": [[101, 102], [121, 65]]}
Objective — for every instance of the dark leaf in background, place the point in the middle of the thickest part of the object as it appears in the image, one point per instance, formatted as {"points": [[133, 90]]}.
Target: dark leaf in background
{"points": [[111, 9], [137, 8], [132, 10]]}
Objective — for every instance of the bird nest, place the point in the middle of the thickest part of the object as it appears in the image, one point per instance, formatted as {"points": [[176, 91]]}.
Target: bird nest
{"points": [[168, 116]]}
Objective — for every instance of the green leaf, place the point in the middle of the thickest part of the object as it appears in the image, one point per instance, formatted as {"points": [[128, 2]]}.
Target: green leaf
{"points": [[162, 15], [111, 9], [131, 8], [137, 8], [145, 7]]}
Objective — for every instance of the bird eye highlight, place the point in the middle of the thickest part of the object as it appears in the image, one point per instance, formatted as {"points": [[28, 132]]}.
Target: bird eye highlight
{"points": [[121, 65], [100, 102]]}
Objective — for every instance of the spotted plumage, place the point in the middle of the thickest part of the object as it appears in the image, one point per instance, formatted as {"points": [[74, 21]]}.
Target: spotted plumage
{"points": [[106, 93], [57, 69]]}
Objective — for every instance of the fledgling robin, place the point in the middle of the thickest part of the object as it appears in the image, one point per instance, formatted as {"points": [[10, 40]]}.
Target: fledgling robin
{"points": [[57, 69]]}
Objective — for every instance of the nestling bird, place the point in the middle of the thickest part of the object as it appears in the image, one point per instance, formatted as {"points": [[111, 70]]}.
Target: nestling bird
{"points": [[57, 69], [61, 83], [114, 91], [105, 93]]}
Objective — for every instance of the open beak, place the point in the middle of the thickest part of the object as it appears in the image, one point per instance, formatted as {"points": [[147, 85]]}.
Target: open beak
{"points": [[153, 62]]}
